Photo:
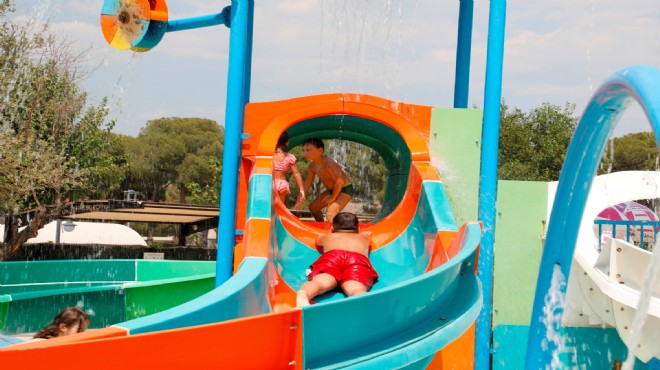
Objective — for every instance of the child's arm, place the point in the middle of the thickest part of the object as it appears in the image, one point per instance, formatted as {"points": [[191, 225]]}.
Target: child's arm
{"points": [[310, 178], [298, 177]]}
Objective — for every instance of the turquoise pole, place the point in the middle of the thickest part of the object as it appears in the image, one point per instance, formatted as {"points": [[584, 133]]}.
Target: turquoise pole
{"points": [[238, 92], [488, 177], [641, 83], [463, 48], [199, 22]]}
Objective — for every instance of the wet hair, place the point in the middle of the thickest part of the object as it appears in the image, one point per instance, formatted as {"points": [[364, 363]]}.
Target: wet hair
{"points": [[345, 221], [69, 317], [316, 142], [283, 140]]}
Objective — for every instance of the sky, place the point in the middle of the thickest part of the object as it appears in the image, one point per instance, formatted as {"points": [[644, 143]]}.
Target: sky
{"points": [[557, 51]]}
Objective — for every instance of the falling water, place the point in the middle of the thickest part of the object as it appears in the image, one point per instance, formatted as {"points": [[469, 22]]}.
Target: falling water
{"points": [[642, 308], [552, 313], [361, 44]]}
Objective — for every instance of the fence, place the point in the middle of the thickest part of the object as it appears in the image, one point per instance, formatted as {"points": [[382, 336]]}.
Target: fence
{"points": [[645, 230]]}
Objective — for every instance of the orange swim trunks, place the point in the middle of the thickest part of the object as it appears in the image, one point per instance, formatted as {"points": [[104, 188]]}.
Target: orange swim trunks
{"points": [[344, 266]]}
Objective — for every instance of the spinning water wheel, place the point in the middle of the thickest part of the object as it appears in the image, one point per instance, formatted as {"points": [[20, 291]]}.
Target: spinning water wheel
{"points": [[134, 24]]}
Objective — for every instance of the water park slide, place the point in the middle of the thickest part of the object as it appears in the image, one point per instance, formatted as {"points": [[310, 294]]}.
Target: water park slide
{"points": [[420, 313], [605, 285]]}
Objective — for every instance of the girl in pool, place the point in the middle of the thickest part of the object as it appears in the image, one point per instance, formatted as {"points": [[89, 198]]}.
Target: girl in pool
{"points": [[70, 321]]}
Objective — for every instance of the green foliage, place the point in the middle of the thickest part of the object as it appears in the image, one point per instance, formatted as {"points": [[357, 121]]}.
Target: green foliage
{"points": [[632, 152], [210, 192], [533, 145], [174, 151], [52, 143]]}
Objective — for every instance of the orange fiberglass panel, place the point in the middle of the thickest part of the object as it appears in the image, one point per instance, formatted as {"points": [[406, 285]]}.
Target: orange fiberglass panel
{"points": [[280, 115], [410, 121], [158, 10], [228, 345], [257, 238], [457, 355], [109, 332], [283, 296], [439, 255], [417, 144], [417, 115]]}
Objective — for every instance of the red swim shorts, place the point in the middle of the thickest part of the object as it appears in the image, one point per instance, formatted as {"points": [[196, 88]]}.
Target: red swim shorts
{"points": [[344, 266]]}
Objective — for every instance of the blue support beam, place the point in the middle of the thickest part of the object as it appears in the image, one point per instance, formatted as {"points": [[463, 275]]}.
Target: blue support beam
{"points": [[488, 177], [463, 50], [238, 93]]}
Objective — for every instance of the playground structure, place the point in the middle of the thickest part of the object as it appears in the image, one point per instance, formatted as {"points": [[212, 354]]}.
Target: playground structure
{"points": [[422, 311]]}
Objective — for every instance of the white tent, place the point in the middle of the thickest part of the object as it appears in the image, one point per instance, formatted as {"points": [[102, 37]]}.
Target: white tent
{"points": [[88, 233]]}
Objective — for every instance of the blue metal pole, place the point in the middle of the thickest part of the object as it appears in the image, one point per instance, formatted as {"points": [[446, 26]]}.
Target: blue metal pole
{"points": [[488, 178], [238, 92], [196, 22], [463, 49], [584, 153]]}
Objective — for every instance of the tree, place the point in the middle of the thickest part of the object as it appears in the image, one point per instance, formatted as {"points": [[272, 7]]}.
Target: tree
{"points": [[210, 192], [632, 152], [533, 145], [51, 142], [173, 151]]}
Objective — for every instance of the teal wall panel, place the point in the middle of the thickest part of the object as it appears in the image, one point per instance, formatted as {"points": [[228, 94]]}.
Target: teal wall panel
{"points": [[585, 348]]}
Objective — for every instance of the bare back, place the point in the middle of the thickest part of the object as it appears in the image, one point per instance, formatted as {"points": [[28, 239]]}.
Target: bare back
{"points": [[348, 241]]}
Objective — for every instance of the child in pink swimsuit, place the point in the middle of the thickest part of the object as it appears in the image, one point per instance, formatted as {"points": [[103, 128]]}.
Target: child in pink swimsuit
{"points": [[344, 262], [282, 163]]}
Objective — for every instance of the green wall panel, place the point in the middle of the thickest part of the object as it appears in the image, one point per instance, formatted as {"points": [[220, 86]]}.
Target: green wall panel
{"points": [[148, 270], [149, 299], [455, 151], [4, 309], [104, 307], [519, 225]]}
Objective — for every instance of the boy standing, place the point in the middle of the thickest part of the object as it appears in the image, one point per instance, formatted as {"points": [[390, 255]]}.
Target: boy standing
{"points": [[344, 261], [339, 189]]}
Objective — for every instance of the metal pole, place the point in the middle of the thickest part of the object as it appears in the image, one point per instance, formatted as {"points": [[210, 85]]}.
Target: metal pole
{"points": [[238, 92], [196, 22], [58, 230], [463, 49], [488, 178]]}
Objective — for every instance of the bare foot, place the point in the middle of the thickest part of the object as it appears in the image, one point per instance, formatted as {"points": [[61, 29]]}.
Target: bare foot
{"points": [[301, 299]]}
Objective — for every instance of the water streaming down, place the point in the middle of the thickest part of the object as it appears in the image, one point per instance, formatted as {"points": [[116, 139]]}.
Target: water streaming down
{"points": [[642, 308], [367, 172], [552, 314], [361, 44]]}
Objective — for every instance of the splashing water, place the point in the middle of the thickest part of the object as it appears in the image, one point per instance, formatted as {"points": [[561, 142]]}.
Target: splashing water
{"points": [[642, 308], [552, 312]]}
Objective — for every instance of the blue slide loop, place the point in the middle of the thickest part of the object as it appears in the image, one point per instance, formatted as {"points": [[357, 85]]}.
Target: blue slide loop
{"points": [[639, 83]]}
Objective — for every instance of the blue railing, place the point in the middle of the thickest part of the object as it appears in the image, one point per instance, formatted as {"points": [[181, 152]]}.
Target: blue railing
{"points": [[637, 225]]}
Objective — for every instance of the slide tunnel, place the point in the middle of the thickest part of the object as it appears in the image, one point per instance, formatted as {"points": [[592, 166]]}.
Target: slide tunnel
{"points": [[420, 313]]}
